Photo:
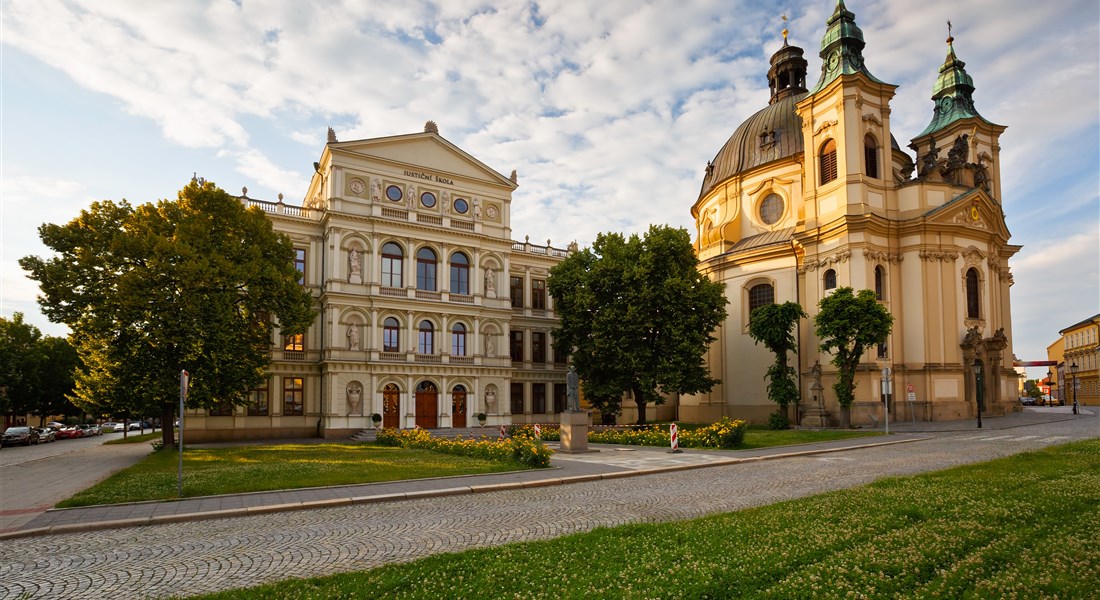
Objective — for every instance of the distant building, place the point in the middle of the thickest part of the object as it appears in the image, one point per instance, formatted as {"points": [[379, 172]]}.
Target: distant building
{"points": [[813, 192], [429, 313], [1081, 350]]}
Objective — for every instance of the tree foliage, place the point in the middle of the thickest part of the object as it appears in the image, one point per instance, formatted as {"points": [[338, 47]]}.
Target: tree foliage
{"points": [[637, 316], [772, 325], [847, 323], [36, 371], [151, 290]]}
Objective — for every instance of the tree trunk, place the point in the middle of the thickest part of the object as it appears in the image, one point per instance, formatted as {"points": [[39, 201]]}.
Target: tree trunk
{"points": [[845, 417], [639, 401], [167, 417]]}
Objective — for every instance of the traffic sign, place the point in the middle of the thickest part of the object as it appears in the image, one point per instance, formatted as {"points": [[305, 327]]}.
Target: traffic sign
{"points": [[910, 388]]}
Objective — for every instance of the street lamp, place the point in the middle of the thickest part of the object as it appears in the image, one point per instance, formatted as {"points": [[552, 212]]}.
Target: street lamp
{"points": [[1073, 370], [978, 388]]}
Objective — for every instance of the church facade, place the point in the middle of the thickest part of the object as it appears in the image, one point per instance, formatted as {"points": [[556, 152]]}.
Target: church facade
{"points": [[813, 193], [428, 312]]}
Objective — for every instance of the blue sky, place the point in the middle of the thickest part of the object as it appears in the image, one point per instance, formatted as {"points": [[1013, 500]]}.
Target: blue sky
{"points": [[609, 111]]}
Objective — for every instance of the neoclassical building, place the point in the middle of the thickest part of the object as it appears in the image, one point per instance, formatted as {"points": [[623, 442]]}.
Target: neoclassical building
{"points": [[429, 312], [813, 192]]}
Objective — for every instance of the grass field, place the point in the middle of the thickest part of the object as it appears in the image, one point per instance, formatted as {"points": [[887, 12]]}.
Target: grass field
{"points": [[232, 470], [1021, 527]]}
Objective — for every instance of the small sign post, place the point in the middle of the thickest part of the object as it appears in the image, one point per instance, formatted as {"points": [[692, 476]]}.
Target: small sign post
{"points": [[673, 436], [538, 431], [886, 385], [185, 380]]}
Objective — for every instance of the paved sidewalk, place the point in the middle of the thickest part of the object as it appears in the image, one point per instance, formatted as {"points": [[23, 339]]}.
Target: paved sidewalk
{"points": [[607, 463]]}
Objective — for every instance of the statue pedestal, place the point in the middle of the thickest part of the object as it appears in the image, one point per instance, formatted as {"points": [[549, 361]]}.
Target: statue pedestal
{"points": [[574, 432], [356, 279]]}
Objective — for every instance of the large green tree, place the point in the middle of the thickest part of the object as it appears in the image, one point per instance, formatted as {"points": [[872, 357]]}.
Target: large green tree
{"points": [[36, 371], [773, 326], [847, 323], [636, 315], [186, 284]]}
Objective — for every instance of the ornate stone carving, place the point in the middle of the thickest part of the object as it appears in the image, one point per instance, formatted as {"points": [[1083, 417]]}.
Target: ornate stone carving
{"points": [[882, 257], [353, 337], [376, 189], [973, 257], [814, 263], [355, 266], [824, 126], [939, 255], [873, 118], [355, 398]]}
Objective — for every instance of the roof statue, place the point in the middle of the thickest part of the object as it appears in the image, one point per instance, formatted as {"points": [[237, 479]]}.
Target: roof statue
{"points": [[431, 127]]}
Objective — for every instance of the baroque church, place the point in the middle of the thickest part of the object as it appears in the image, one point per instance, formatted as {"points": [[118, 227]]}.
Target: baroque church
{"points": [[812, 193]]}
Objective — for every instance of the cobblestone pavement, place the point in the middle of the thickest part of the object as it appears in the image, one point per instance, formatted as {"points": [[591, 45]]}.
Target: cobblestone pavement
{"points": [[196, 557]]}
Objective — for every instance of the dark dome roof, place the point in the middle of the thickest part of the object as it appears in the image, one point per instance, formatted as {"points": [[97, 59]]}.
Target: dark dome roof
{"points": [[753, 144]]}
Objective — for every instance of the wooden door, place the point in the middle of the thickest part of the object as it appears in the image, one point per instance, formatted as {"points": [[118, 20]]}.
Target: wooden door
{"points": [[427, 406], [391, 415], [458, 407]]}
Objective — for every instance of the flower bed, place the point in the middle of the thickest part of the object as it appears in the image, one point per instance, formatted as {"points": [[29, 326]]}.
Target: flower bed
{"points": [[522, 448], [727, 433]]}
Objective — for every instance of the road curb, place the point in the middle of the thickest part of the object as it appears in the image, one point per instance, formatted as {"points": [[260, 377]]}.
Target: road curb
{"points": [[417, 495]]}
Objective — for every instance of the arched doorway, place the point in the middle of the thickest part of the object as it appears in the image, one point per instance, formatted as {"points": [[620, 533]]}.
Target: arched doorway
{"points": [[391, 401], [427, 405], [458, 406]]}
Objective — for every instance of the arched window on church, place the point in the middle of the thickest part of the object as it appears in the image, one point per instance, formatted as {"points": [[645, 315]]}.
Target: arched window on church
{"points": [[973, 301], [870, 156], [760, 295], [880, 283], [828, 162], [830, 280]]}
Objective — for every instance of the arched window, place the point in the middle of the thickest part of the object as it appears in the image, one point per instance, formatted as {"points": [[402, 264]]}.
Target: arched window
{"points": [[425, 269], [392, 258], [458, 340], [830, 280], [760, 295], [880, 283], [973, 301], [391, 335], [425, 341], [460, 274], [828, 162], [870, 156]]}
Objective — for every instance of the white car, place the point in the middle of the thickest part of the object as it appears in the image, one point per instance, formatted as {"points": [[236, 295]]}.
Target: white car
{"points": [[111, 426]]}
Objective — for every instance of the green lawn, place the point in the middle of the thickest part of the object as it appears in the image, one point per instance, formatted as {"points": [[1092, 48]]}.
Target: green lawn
{"points": [[209, 471], [1020, 527], [764, 438]]}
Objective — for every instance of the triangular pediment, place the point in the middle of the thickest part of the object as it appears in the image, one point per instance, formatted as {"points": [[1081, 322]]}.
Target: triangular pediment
{"points": [[973, 209], [420, 151]]}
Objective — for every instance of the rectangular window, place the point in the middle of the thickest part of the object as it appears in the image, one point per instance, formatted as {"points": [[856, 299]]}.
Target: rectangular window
{"points": [[559, 397], [538, 294], [561, 355], [258, 401], [391, 269], [538, 347], [538, 398], [293, 396], [882, 350], [300, 265], [515, 346], [425, 275], [460, 279], [516, 291], [425, 339], [458, 341], [295, 343], [517, 398]]}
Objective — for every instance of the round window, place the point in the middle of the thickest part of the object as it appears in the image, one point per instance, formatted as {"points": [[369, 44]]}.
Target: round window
{"points": [[427, 199], [393, 192], [771, 209], [461, 206]]}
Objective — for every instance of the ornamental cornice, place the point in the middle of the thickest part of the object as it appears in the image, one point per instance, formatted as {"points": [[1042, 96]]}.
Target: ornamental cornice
{"points": [[813, 263], [939, 255], [973, 257], [824, 126], [882, 257], [872, 117]]}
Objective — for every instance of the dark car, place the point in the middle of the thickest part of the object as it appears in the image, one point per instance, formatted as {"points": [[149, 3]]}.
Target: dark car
{"points": [[20, 435]]}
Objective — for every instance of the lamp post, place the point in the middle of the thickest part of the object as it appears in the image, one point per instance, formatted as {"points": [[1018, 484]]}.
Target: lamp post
{"points": [[1073, 370], [978, 388]]}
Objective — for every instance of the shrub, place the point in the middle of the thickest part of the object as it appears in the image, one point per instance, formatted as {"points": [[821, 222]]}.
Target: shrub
{"points": [[726, 433], [523, 448], [779, 420]]}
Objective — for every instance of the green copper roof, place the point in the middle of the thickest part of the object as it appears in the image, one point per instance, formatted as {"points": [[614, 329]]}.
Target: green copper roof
{"points": [[841, 48], [952, 93]]}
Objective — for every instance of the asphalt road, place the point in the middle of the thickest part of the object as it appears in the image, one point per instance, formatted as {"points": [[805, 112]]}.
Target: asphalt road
{"points": [[195, 557]]}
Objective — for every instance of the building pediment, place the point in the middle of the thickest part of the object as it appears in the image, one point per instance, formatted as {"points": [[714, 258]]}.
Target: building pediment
{"points": [[972, 209], [433, 156]]}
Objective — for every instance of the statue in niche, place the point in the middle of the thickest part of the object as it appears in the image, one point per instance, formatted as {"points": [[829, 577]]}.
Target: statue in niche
{"points": [[353, 337], [375, 189], [490, 283], [491, 396], [490, 346], [412, 196], [355, 266], [477, 209], [355, 396], [446, 202]]}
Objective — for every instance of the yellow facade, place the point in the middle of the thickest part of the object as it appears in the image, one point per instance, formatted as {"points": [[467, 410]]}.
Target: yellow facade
{"points": [[1081, 349]]}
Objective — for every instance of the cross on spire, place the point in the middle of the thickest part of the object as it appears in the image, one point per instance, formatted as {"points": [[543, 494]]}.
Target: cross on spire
{"points": [[949, 38]]}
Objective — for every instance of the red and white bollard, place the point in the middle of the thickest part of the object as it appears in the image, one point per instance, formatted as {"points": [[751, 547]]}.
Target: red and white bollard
{"points": [[503, 431], [673, 434], [538, 431]]}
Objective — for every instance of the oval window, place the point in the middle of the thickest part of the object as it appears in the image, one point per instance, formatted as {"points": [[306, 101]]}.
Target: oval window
{"points": [[461, 206], [393, 193], [771, 209], [427, 199]]}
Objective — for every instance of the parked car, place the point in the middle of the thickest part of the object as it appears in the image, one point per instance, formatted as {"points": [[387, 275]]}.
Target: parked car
{"points": [[47, 435], [110, 426], [20, 435], [70, 432], [91, 429], [1027, 400]]}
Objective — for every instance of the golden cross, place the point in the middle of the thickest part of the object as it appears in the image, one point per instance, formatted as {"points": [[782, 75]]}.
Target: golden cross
{"points": [[784, 17]]}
